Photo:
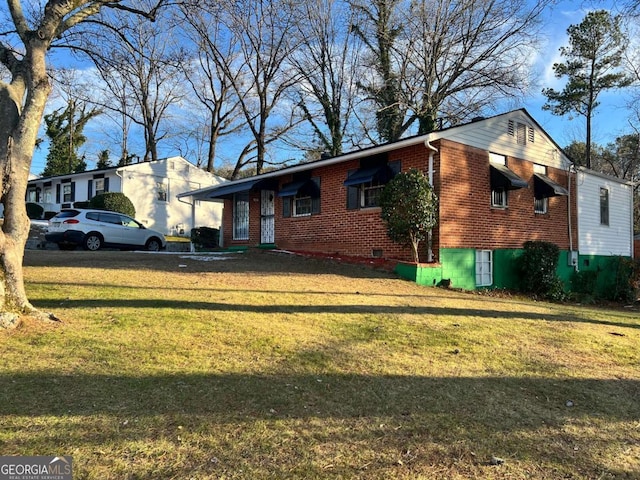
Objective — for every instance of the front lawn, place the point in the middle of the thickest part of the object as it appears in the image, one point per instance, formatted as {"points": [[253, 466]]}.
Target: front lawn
{"points": [[269, 366]]}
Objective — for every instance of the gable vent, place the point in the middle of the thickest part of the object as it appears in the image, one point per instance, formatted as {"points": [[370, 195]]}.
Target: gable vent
{"points": [[511, 129]]}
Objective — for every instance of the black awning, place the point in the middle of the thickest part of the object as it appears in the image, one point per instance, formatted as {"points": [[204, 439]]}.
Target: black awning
{"points": [[307, 188], [502, 177], [228, 190], [381, 173], [544, 187]]}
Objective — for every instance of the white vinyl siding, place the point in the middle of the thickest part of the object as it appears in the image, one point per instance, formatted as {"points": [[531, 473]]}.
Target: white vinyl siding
{"points": [[594, 237]]}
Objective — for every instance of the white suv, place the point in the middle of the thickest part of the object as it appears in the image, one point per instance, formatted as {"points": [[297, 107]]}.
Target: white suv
{"points": [[94, 229]]}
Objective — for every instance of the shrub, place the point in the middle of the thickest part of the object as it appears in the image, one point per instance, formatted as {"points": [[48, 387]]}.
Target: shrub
{"points": [[114, 202], [626, 282], [409, 207], [537, 268], [34, 211]]}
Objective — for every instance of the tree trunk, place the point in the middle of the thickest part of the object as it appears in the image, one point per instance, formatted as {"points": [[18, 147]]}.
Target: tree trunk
{"points": [[18, 133]]}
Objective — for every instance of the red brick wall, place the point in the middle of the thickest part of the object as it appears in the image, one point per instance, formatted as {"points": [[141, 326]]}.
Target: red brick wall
{"points": [[467, 219], [336, 229]]}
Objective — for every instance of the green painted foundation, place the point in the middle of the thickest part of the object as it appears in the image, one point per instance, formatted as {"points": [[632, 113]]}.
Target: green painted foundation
{"points": [[425, 274], [457, 268]]}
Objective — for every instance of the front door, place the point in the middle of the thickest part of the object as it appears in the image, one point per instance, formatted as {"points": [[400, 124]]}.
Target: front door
{"points": [[267, 217]]}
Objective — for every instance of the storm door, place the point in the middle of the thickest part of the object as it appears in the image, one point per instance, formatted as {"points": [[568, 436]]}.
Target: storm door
{"points": [[267, 217]]}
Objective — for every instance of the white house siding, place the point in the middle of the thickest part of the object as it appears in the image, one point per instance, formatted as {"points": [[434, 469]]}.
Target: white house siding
{"points": [[170, 215], [493, 135], [140, 183], [594, 238]]}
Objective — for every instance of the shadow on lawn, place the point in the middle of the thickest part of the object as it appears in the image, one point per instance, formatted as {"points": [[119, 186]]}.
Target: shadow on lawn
{"points": [[528, 417], [253, 262], [324, 309]]}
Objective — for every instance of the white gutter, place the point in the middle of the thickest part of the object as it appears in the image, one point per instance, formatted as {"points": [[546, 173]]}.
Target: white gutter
{"points": [[432, 151], [318, 164]]}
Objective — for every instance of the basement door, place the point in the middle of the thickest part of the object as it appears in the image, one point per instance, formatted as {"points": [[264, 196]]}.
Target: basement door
{"points": [[267, 217]]}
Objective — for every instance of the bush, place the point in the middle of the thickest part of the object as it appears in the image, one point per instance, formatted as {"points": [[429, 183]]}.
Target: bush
{"points": [[114, 202], [409, 208], [626, 282], [537, 268], [34, 211]]}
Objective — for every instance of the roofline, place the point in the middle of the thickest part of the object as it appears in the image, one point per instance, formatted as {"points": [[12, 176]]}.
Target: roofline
{"points": [[606, 176], [407, 142], [110, 169]]}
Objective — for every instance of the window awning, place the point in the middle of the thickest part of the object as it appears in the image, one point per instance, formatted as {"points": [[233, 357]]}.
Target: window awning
{"points": [[228, 190], [502, 177], [303, 187], [544, 187], [381, 173]]}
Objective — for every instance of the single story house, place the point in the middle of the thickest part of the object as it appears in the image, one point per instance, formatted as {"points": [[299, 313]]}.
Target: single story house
{"points": [[152, 187], [501, 181]]}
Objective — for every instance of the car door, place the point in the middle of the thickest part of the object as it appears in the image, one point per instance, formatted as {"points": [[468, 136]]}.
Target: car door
{"points": [[133, 233], [111, 227]]}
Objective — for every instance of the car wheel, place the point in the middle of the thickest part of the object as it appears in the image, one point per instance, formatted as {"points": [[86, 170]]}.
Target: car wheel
{"points": [[153, 245], [92, 241]]}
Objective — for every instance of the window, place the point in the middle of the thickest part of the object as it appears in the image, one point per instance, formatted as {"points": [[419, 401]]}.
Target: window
{"points": [[241, 216], [498, 193], [499, 198], [301, 198], [32, 195], [301, 206], [47, 196], [540, 205], [484, 268], [371, 192], [604, 206], [99, 186], [365, 185], [161, 190], [67, 193]]}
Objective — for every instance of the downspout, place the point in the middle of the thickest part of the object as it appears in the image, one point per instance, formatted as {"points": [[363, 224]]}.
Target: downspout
{"points": [[571, 170], [192, 247], [432, 151]]}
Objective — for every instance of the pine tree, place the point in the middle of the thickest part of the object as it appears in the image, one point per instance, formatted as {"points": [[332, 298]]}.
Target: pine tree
{"points": [[64, 130], [593, 59]]}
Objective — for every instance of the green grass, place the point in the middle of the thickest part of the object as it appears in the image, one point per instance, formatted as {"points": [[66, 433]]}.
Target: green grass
{"points": [[276, 367]]}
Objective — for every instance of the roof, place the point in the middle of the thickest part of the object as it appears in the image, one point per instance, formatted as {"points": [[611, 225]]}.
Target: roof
{"points": [[111, 169], [205, 193]]}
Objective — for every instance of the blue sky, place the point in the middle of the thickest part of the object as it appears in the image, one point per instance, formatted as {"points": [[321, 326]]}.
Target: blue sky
{"points": [[610, 121], [611, 117]]}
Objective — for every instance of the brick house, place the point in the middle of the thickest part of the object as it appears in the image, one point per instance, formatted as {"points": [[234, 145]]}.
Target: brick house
{"points": [[500, 182]]}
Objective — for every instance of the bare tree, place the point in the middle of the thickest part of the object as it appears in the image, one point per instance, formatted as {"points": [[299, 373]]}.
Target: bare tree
{"points": [[140, 66], [378, 24], [441, 62], [260, 39], [24, 90], [210, 86], [465, 56], [326, 62]]}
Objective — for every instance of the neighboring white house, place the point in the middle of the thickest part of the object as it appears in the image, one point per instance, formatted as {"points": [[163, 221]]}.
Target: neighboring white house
{"points": [[605, 214], [152, 187]]}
